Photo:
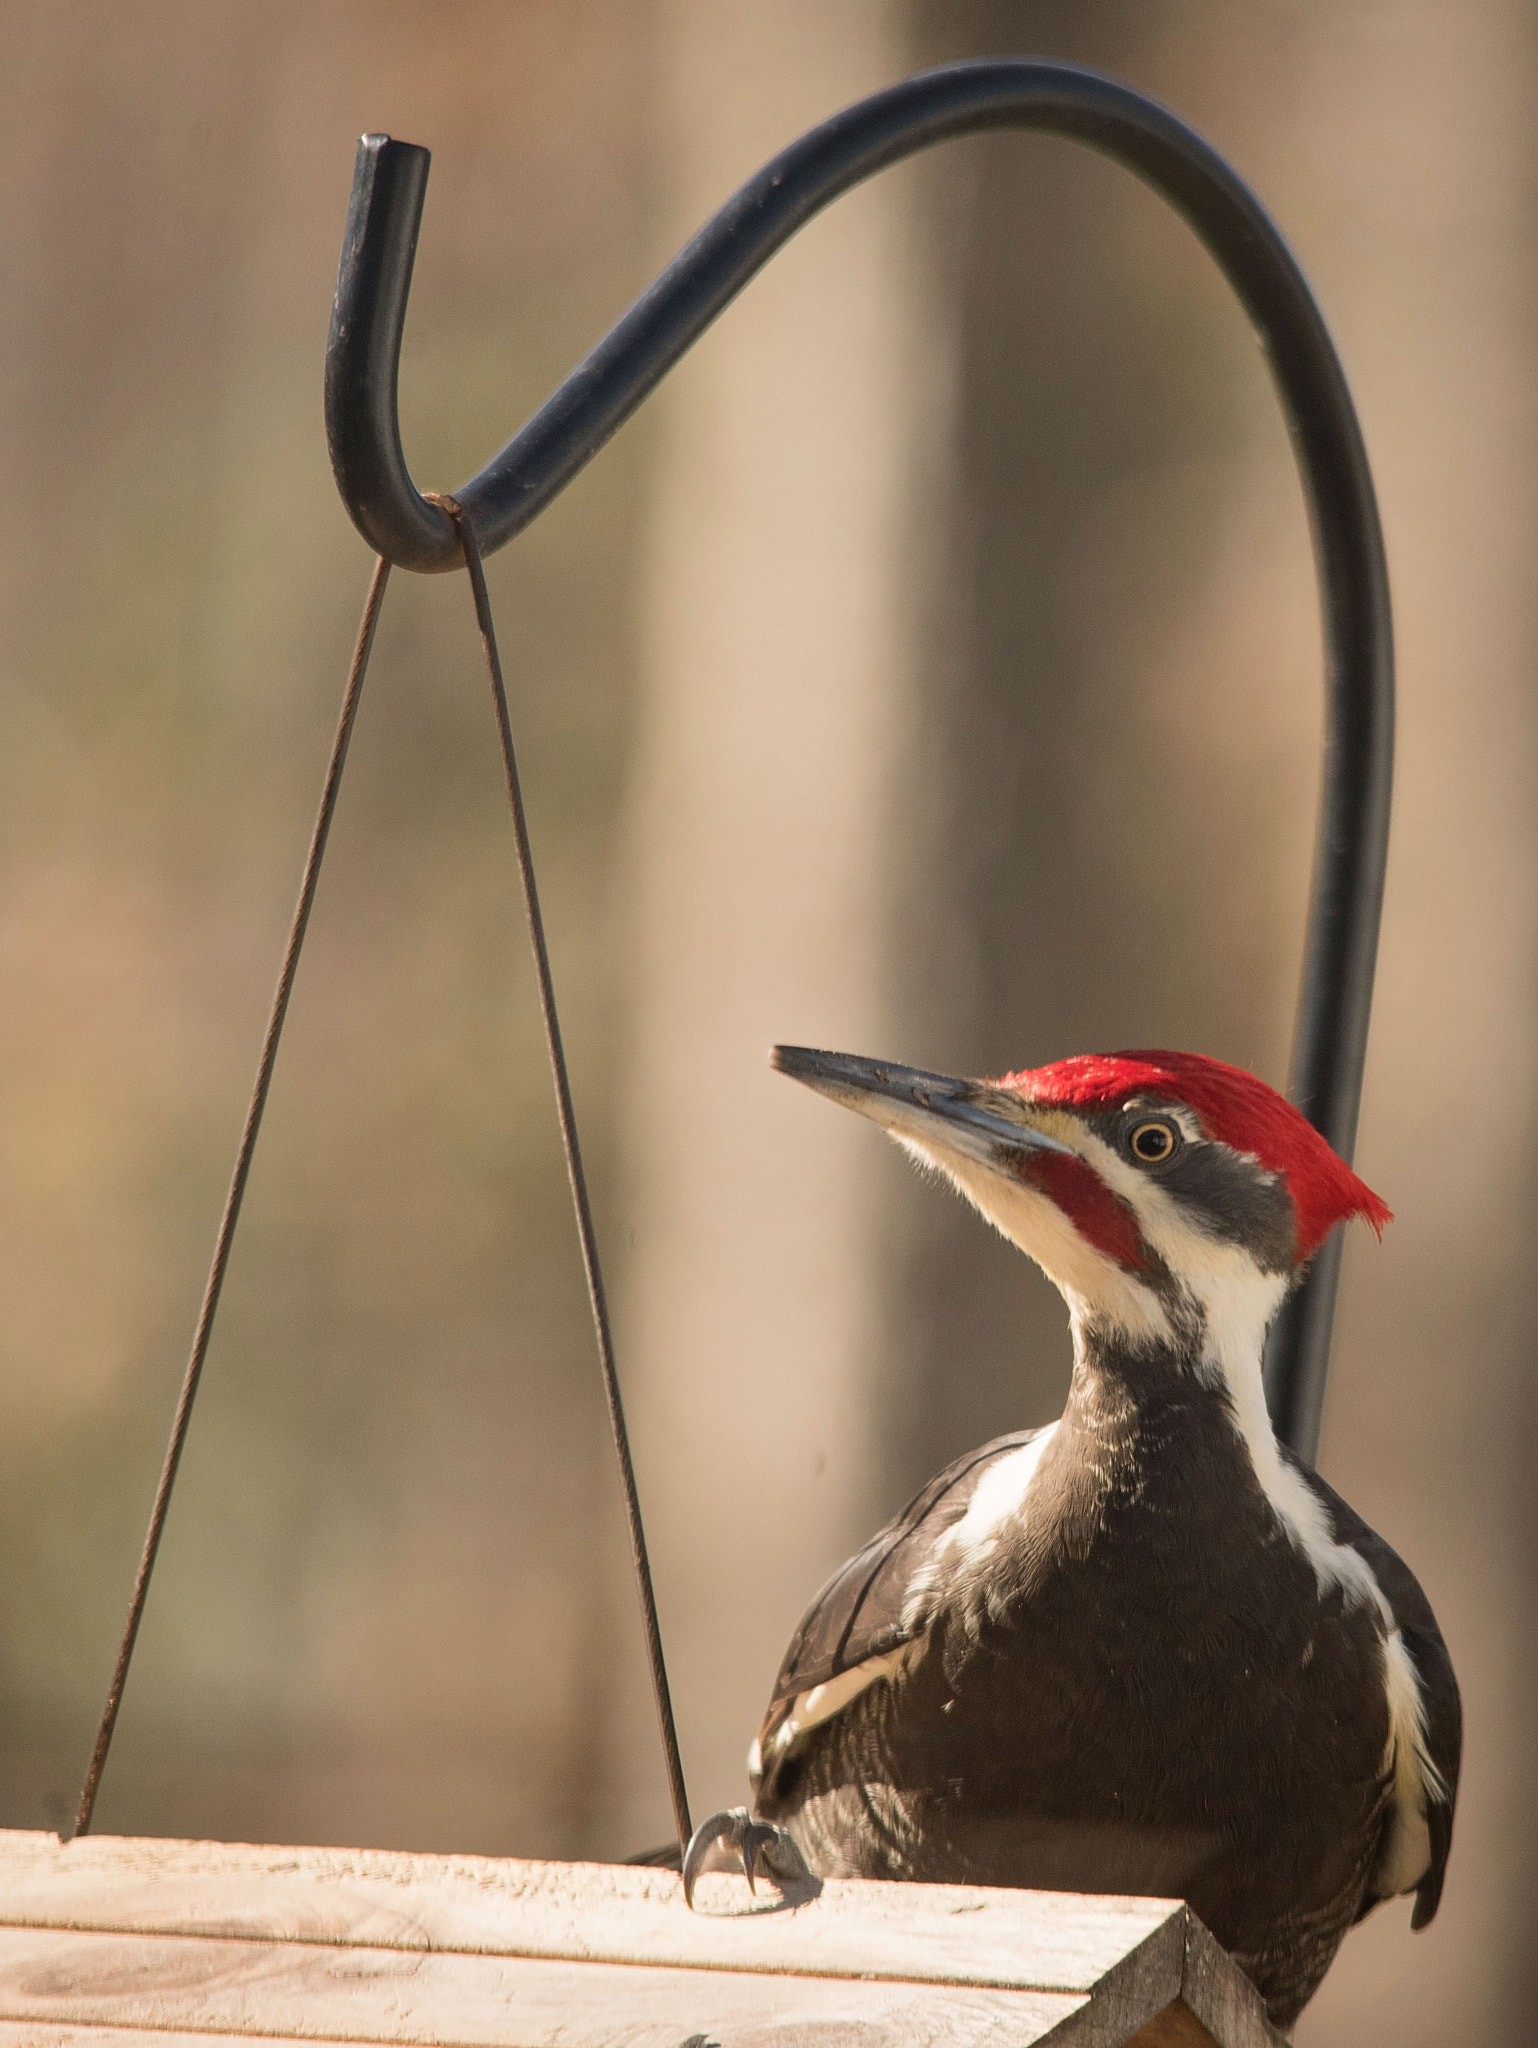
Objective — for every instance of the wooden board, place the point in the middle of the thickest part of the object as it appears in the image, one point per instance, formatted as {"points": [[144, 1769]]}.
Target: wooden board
{"points": [[112, 1941]]}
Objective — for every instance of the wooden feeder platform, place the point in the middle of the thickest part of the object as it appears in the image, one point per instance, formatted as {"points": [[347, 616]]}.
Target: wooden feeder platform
{"points": [[119, 1942]]}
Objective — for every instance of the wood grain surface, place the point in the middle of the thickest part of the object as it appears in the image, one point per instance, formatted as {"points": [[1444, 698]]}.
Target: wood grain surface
{"points": [[311, 1992], [148, 1940]]}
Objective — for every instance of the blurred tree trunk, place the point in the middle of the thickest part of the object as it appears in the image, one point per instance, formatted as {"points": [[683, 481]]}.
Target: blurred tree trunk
{"points": [[777, 675]]}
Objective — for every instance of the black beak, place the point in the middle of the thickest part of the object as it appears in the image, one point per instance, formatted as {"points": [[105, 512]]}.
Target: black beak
{"points": [[971, 1117]]}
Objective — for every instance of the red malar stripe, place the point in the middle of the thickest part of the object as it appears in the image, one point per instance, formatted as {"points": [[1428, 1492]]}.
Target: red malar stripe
{"points": [[1101, 1217]]}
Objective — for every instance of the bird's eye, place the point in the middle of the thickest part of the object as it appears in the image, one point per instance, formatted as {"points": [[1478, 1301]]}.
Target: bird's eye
{"points": [[1152, 1142]]}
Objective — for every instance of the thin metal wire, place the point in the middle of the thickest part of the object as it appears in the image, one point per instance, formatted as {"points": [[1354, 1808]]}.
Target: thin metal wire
{"points": [[233, 1199], [575, 1173]]}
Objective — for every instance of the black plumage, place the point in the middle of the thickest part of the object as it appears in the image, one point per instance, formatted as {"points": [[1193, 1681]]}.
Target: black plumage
{"points": [[1140, 1688], [1141, 1650]]}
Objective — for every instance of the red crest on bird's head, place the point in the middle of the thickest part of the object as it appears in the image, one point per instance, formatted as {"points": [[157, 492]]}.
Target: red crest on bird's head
{"points": [[1234, 1108]]}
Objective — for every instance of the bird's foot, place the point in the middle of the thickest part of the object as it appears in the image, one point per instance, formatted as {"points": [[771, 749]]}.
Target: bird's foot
{"points": [[734, 1840]]}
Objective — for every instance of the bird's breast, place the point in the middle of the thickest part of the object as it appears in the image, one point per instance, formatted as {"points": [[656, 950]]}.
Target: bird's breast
{"points": [[1148, 1648]]}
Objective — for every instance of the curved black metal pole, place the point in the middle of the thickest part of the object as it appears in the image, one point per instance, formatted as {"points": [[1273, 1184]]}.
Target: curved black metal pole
{"points": [[362, 362]]}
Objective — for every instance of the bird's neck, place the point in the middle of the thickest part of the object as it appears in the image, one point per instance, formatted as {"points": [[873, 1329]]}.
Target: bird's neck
{"points": [[1125, 1385], [1143, 1416], [1123, 1389]]}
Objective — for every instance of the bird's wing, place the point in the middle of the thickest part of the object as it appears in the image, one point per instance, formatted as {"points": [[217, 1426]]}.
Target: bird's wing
{"points": [[862, 1612], [1443, 1711]]}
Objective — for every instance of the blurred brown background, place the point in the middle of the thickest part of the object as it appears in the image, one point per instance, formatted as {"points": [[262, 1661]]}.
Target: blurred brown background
{"points": [[931, 670]]}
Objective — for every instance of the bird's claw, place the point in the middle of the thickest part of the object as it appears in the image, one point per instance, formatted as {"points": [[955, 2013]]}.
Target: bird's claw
{"points": [[734, 1839]]}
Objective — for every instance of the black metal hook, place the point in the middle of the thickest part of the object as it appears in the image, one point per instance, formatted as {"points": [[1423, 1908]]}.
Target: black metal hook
{"points": [[363, 430]]}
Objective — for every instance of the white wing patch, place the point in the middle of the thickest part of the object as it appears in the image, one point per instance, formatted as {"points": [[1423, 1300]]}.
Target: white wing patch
{"points": [[998, 1501], [1406, 1854], [821, 1702]]}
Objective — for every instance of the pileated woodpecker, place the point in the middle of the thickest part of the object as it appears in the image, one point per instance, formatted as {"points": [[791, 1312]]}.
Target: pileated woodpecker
{"points": [[1142, 1649]]}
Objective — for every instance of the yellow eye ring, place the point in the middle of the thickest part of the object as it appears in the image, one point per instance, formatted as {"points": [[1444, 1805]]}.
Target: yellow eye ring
{"points": [[1152, 1143]]}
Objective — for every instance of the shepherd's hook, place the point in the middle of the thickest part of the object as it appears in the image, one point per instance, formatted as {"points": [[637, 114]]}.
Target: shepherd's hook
{"points": [[362, 364]]}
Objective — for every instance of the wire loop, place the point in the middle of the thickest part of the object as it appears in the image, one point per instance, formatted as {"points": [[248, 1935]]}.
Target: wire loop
{"points": [[465, 533], [257, 1105]]}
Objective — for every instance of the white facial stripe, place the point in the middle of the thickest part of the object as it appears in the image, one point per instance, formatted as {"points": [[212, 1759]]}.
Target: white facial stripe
{"points": [[1093, 1285], [1298, 1508], [1166, 1224], [1237, 1303]]}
